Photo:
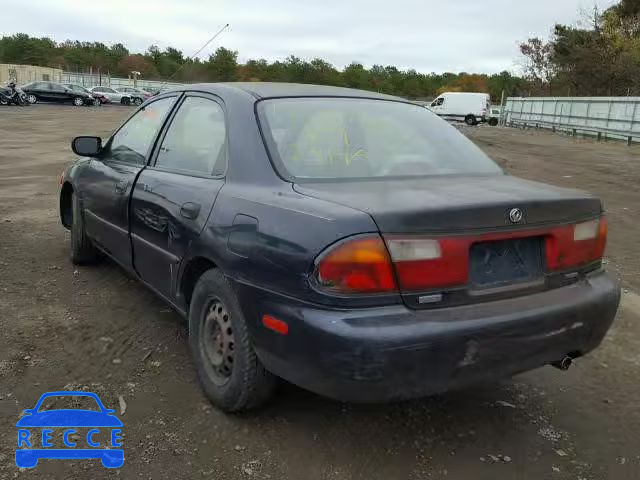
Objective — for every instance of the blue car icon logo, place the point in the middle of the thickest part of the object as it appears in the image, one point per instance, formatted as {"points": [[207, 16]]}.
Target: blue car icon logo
{"points": [[36, 433]]}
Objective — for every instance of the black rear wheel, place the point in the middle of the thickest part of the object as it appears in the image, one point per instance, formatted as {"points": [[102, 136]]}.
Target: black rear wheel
{"points": [[470, 120], [229, 370]]}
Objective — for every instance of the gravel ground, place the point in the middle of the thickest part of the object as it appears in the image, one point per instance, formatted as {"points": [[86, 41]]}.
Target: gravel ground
{"points": [[96, 329]]}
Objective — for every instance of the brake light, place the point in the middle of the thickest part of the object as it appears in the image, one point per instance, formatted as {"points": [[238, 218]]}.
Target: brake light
{"points": [[576, 245], [366, 264], [423, 263], [358, 265]]}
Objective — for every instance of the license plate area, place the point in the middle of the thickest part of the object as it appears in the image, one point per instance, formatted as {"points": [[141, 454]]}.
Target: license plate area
{"points": [[506, 262]]}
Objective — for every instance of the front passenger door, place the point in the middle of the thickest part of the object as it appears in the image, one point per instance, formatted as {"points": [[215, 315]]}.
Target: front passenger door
{"points": [[105, 187], [173, 197]]}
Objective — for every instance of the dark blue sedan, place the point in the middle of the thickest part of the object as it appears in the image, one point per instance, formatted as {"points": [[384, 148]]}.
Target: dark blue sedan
{"points": [[349, 242]]}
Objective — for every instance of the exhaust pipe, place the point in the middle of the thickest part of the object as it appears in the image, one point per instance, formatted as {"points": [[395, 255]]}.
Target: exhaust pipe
{"points": [[563, 364]]}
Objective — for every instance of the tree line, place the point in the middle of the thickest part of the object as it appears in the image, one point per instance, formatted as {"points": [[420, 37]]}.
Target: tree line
{"points": [[223, 66], [599, 57]]}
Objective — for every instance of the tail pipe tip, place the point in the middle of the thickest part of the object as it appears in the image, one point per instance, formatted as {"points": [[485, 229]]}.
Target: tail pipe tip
{"points": [[563, 364]]}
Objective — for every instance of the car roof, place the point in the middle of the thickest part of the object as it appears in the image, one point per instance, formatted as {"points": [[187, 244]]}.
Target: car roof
{"points": [[274, 89]]}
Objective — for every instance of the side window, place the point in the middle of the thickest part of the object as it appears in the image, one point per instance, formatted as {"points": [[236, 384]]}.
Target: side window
{"points": [[98, 89], [196, 139], [131, 143], [438, 102], [55, 87]]}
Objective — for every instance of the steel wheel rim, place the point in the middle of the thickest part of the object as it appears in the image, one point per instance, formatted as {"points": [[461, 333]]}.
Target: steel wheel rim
{"points": [[217, 341], [78, 101]]}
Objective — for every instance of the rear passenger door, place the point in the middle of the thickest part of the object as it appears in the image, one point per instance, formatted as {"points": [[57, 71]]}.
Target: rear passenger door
{"points": [[173, 197], [46, 92]]}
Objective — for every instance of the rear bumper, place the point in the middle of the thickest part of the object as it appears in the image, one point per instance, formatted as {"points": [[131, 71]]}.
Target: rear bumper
{"points": [[392, 353]]}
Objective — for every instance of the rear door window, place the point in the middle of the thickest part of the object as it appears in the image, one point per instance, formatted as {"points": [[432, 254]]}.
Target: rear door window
{"points": [[195, 141]]}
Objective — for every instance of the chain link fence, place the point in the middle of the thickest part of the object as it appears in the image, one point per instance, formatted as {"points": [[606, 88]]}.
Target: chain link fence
{"points": [[92, 79]]}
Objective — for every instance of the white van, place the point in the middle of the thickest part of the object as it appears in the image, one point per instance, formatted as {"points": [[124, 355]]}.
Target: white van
{"points": [[472, 108]]}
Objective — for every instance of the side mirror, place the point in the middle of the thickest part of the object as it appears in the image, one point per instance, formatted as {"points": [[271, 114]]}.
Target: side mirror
{"points": [[86, 146], [29, 411]]}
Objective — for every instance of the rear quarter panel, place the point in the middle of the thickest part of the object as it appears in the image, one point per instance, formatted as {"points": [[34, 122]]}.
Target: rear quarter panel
{"points": [[269, 238]]}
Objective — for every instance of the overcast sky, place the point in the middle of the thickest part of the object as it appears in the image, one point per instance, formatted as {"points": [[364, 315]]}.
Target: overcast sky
{"points": [[428, 35]]}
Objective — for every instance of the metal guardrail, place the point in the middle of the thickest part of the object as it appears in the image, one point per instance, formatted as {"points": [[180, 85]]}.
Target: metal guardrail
{"points": [[596, 133]]}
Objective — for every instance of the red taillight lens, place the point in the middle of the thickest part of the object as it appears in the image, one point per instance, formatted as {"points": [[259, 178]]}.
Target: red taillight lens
{"points": [[366, 265], [358, 265], [576, 245], [423, 263]]}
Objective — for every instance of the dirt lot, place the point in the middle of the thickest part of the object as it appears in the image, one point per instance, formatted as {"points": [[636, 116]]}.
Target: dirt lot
{"points": [[96, 329]]}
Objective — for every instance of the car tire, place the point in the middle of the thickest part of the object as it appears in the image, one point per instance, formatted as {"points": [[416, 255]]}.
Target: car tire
{"points": [[470, 120], [77, 101], [31, 98], [493, 122], [230, 373], [137, 101], [83, 251], [125, 101]]}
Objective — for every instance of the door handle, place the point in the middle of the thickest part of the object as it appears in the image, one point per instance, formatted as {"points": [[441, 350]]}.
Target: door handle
{"points": [[190, 210], [121, 187]]}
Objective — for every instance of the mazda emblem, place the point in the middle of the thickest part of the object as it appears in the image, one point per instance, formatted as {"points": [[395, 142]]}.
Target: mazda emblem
{"points": [[515, 215]]}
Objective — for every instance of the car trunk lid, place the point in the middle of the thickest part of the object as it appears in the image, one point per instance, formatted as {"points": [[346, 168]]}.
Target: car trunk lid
{"points": [[453, 204]]}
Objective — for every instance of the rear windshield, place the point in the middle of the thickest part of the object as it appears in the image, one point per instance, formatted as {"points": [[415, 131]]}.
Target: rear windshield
{"points": [[312, 138]]}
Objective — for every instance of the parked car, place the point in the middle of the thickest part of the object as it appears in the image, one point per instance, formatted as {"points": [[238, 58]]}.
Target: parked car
{"points": [[138, 95], [349, 242], [472, 108], [494, 116], [112, 94], [98, 98], [55, 92]]}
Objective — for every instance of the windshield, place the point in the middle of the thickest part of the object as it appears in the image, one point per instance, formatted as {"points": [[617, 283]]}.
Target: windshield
{"points": [[363, 138]]}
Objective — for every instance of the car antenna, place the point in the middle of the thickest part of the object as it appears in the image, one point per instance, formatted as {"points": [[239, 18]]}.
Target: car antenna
{"points": [[191, 57]]}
